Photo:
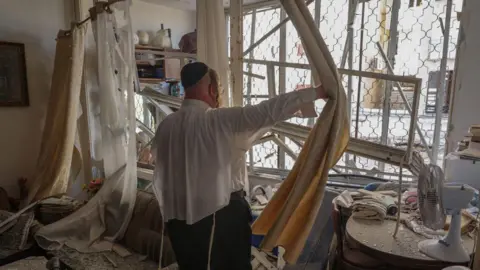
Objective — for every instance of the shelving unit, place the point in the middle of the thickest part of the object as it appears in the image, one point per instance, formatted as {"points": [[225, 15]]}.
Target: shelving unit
{"points": [[159, 68]]}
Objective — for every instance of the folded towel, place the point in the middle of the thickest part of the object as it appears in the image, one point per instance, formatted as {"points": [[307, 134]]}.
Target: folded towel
{"points": [[344, 200], [383, 197], [369, 209]]}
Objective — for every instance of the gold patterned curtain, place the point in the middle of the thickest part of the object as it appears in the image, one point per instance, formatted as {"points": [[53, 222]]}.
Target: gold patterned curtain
{"points": [[57, 147], [289, 216]]}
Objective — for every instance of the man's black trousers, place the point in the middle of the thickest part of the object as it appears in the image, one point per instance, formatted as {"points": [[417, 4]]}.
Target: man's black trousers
{"points": [[231, 248]]}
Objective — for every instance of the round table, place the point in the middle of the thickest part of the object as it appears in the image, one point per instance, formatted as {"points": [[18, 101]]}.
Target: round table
{"points": [[376, 238]]}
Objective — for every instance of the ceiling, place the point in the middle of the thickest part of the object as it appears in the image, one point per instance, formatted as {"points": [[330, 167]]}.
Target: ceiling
{"points": [[190, 4]]}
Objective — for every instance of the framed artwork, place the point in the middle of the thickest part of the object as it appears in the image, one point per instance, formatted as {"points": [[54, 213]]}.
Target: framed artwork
{"points": [[13, 75]]}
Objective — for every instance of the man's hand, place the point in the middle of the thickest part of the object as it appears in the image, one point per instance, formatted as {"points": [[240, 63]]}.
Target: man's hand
{"points": [[321, 92]]}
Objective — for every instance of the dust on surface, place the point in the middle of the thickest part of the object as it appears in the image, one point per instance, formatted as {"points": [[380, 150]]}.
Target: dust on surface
{"points": [[32, 263]]}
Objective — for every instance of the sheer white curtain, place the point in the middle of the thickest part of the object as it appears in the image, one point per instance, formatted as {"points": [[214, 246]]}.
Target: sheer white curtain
{"points": [[106, 216], [212, 40]]}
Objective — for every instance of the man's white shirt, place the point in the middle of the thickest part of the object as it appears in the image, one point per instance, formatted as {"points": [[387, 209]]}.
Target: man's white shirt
{"points": [[199, 152]]}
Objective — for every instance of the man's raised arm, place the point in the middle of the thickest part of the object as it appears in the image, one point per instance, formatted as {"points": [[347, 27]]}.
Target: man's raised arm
{"points": [[249, 120]]}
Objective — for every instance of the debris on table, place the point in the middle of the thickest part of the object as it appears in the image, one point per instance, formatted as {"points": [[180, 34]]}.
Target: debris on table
{"points": [[377, 203]]}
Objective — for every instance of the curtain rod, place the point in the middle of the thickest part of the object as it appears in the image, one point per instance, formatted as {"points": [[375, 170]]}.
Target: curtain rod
{"points": [[98, 8]]}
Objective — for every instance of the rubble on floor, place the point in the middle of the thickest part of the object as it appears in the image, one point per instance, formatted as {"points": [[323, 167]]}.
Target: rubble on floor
{"points": [[32, 263]]}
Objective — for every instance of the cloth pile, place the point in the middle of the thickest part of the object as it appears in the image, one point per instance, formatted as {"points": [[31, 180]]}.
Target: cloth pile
{"points": [[369, 209], [16, 235], [414, 223], [53, 209], [368, 205], [260, 196]]}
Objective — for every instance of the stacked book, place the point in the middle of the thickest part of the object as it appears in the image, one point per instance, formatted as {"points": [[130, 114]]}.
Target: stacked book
{"points": [[469, 147]]}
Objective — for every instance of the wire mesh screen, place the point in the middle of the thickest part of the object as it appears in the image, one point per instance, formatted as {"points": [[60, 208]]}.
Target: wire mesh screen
{"points": [[407, 36], [144, 112]]}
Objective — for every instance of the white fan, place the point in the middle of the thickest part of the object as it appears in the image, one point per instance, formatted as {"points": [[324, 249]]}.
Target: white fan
{"points": [[435, 201]]}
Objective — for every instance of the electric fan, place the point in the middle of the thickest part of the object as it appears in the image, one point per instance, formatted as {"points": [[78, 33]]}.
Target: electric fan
{"points": [[435, 201]]}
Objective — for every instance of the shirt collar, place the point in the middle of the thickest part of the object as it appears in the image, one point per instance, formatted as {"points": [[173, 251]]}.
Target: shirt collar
{"points": [[194, 103]]}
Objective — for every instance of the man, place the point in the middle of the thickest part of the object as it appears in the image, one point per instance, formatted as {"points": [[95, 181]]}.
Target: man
{"points": [[200, 169]]}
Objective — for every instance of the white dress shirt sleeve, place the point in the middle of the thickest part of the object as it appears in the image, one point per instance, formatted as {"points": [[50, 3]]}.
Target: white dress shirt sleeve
{"points": [[247, 123]]}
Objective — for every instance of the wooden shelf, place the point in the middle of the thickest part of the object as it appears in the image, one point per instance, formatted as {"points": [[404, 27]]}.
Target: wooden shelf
{"points": [[152, 48], [151, 80], [146, 62], [143, 47], [170, 67]]}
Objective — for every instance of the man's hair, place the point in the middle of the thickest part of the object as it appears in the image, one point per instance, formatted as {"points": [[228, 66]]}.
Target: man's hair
{"points": [[192, 73], [215, 80]]}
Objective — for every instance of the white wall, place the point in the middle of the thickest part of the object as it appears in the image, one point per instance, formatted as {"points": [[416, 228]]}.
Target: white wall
{"points": [[34, 23], [465, 110], [149, 17]]}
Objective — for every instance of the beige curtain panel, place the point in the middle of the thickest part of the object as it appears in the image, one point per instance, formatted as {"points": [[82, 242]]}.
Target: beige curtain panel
{"points": [[212, 39], [57, 147], [288, 218]]}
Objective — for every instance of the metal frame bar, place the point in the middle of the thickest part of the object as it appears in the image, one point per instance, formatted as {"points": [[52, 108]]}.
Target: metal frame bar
{"points": [[375, 151], [391, 52], [360, 67], [168, 100], [285, 148], [258, 5], [417, 82], [449, 145], [352, 8], [413, 117], [369, 171], [161, 109], [374, 75], [404, 98], [146, 115], [145, 129], [269, 33], [441, 84], [249, 80], [264, 139], [236, 51], [282, 76], [317, 19], [298, 133], [271, 81], [249, 74]]}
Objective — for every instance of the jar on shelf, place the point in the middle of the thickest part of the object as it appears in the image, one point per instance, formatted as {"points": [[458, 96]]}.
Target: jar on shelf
{"points": [[143, 37], [162, 38]]}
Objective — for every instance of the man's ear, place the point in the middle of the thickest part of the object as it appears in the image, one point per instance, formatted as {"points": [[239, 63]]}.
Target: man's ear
{"points": [[211, 89]]}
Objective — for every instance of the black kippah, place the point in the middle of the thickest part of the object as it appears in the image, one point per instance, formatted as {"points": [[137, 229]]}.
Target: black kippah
{"points": [[192, 73]]}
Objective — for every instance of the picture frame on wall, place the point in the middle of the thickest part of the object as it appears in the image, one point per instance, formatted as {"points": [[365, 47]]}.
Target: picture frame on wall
{"points": [[13, 75]]}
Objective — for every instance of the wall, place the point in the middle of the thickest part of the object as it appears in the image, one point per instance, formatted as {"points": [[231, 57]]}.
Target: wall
{"points": [[34, 23], [149, 17], [464, 109]]}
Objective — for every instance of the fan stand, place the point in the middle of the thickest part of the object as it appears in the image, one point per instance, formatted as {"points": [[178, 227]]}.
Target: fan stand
{"points": [[449, 248]]}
